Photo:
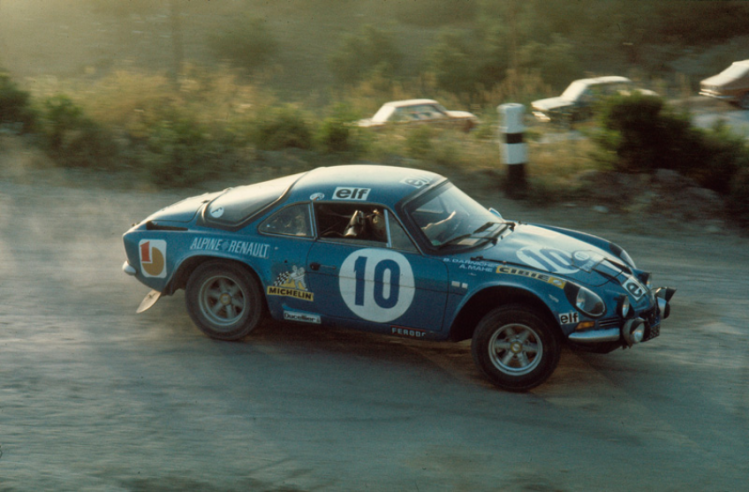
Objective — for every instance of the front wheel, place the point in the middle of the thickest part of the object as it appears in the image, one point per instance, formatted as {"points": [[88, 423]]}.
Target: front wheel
{"points": [[515, 348], [224, 300]]}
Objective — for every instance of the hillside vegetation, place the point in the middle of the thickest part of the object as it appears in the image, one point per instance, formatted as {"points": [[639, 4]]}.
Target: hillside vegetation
{"points": [[175, 92]]}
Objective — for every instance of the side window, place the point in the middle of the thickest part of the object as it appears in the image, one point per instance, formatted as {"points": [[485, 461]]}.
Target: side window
{"points": [[293, 220], [361, 224], [398, 237]]}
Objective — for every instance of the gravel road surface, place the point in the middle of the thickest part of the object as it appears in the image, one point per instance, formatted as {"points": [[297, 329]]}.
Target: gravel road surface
{"points": [[94, 397]]}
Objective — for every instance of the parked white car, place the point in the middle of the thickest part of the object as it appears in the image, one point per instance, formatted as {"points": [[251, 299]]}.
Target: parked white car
{"points": [[419, 112]]}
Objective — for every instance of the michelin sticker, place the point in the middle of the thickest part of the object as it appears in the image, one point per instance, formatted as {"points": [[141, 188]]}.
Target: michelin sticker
{"points": [[291, 284], [376, 284]]}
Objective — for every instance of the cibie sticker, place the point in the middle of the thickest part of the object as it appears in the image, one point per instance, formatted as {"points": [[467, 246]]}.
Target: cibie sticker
{"points": [[377, 285], [347, 193], [152, 257]]}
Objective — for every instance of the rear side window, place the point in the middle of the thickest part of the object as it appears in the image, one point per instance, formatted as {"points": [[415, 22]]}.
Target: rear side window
{"points": [[238, 204], [289, 221]]}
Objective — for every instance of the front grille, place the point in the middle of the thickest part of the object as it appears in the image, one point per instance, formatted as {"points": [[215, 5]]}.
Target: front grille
{"points": [[605, 324]]}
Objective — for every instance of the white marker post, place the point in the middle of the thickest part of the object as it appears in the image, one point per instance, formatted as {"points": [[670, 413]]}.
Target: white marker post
{"points": [[513, 150]]}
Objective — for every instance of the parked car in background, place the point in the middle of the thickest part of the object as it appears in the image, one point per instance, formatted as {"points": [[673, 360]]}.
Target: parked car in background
{"points": [[419, 112], [396, 251], [730, 85], [577, 100]]}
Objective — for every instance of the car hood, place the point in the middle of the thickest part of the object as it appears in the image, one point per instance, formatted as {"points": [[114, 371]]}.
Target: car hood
{"points": [[185, 210], [551, 104], [542, 249]]}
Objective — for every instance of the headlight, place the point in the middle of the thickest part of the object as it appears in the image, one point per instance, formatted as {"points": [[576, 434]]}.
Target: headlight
{"points": [[589, 302], [623, 306]]}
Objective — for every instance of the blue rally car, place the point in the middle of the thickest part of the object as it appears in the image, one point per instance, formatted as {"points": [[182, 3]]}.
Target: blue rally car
{"points": [[396, 251]]}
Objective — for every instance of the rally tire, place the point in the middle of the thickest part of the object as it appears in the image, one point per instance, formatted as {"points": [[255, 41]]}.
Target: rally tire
{"points": [[224, 300], [515, 348]]}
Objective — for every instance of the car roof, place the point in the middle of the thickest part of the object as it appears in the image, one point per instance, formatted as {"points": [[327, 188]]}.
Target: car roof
{"points": [[386, 185], [410, 102], [607, 79]]}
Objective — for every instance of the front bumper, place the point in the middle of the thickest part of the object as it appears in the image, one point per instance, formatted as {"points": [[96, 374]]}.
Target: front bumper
{"points": [[129, 269], [638, 328]]}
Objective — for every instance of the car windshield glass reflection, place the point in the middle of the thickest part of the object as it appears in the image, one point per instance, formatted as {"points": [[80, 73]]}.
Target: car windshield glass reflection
{"points": [[453, 219]]}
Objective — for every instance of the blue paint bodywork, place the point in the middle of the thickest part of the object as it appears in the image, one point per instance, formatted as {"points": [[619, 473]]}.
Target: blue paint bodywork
{"points": [[406, 285]]}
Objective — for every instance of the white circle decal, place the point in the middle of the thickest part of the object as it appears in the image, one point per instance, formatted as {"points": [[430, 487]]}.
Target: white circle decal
{"points": [[377, 284], [548, 259]]}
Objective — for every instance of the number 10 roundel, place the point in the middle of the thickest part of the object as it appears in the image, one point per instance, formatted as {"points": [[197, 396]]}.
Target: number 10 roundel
{"points": [[377, 285]]}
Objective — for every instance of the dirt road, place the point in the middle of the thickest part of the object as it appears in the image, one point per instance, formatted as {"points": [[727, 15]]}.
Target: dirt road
{"points": [[94, 397]]}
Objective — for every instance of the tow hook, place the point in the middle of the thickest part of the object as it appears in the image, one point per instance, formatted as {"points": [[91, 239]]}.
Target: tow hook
{"points": [[633, 331]]}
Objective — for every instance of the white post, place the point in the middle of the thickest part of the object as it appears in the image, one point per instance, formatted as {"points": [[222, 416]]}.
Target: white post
{"points": [[513, 149]]}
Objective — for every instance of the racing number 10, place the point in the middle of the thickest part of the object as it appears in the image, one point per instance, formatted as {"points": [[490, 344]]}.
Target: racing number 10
{"points": [[385, 300]]}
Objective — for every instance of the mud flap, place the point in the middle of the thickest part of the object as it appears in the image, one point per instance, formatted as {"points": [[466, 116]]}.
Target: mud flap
{"points": [[149, 301]]}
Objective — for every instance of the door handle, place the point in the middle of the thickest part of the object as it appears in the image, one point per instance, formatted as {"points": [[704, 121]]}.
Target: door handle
{"points": [[315, 266]]}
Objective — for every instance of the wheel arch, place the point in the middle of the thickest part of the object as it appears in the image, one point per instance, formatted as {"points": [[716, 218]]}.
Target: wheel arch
{"points": [[188, 266], [472, 311]]}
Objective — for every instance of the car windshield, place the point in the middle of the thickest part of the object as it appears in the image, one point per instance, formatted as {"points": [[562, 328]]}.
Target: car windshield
{"points": [[452, 219], [382, 115], [242, 202], [574, 90]]}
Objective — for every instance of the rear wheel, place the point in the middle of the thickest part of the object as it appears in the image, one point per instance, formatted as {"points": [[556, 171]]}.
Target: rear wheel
{"points": [[224, 300], [515, 348]]}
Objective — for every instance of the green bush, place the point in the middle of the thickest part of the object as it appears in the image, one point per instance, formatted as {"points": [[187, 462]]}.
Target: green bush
{"points": [[335, 136], [436, 12], [15, 107], [281, 128], [641, 134], [361, 55], [178, 151], [73, 139], [738, 198], [419, 142], [247, 43]]}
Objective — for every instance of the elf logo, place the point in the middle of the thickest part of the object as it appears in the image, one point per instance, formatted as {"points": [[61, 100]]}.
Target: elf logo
{"points": [[153, 257], [568, 318], [348, 193]]}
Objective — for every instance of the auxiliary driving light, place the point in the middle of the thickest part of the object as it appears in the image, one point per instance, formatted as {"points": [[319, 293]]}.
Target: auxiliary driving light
{"points": [[623, 306], [633, 331], [663, 295]]}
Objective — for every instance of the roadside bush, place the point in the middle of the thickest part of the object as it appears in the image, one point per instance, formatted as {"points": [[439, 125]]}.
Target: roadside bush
{"points": [[178, 151], [436, 12], [336, 136], [15, 107], [247, 43], [641, 134], [360, 55], [280, 128], [419, 143], [737, 203], [72, 138]]}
